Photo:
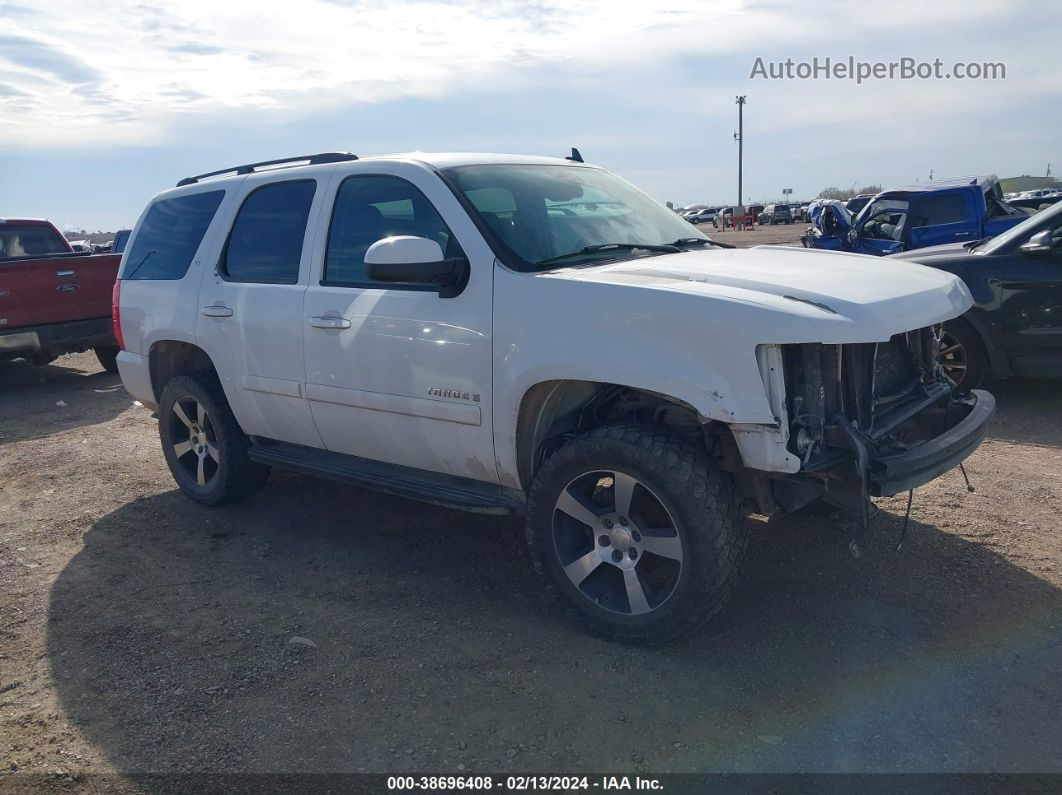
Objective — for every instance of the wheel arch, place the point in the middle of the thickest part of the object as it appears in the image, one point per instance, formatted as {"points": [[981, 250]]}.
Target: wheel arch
{"points": [[169, 358], [550, 411], [998, 362]]}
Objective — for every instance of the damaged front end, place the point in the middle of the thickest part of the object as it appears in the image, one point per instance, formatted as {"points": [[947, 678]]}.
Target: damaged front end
{"points": [[874, 419]]}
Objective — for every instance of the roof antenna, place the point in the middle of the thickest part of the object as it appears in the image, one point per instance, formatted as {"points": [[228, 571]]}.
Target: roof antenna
{"points": [[575, 157]]}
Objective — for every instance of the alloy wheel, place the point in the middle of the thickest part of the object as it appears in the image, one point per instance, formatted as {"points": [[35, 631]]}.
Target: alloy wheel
{"points": [[617, 543], [953, 358], [194, 441]]}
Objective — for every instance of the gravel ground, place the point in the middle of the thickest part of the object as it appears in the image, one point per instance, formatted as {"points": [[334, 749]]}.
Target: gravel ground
{"points": [[140, 632]]}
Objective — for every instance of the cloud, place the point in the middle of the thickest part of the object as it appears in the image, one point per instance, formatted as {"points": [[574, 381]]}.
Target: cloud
{"points": [[314, 55], [10, 91], [647, 87], [39, 56]]}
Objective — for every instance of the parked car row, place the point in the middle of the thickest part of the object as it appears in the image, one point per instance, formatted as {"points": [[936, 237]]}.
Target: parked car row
{"points": [[1042, 193], [767, 215]]}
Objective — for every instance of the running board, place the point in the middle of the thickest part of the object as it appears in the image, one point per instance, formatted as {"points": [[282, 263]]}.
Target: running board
{"points": [[417, 484]]}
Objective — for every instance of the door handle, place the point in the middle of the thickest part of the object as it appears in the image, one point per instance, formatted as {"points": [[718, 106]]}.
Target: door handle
{"points": [[217, 311], [329, 322]]}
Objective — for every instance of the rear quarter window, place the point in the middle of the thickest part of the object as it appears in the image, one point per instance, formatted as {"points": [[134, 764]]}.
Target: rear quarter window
{"points": [[170, 235]]}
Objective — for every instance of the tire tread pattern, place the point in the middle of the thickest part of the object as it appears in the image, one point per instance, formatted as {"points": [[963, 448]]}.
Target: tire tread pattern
{"points": [[713, 514]]}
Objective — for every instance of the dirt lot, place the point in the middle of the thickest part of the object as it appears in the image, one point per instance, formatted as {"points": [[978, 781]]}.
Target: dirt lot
{"points": [[140, 632], [780, 234]]}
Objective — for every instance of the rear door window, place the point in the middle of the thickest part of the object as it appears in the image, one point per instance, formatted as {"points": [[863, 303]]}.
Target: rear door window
{"points": [[947, 208], [265, 244], [170, 235]]}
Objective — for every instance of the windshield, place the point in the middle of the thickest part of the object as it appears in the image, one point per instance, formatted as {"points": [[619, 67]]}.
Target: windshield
{"points": [[1042, 219], [30, 240], [541, 212]]}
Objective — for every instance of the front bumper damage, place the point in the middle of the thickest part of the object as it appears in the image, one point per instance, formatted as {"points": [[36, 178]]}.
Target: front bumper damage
{"points": [[906, 470], [874, 420]]}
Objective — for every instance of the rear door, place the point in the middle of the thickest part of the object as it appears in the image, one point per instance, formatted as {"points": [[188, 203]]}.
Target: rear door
{"points": [[944, 217], [396, 373], [250, 305]]}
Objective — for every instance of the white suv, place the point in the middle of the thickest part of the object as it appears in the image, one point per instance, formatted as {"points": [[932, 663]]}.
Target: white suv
{"points": [[519, 334]]}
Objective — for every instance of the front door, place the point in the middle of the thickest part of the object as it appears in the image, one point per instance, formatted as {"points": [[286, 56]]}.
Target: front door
{"points": [[396, 373], [881, 228], [1030, 314]]}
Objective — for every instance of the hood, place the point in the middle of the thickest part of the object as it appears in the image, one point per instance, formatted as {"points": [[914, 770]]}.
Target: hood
{"points": [[846, 297]]}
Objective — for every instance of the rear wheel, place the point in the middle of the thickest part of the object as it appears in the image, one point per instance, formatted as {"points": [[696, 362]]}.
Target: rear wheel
{"points": [[637, 532], [203, 444], [962, 355], [108, 356]]}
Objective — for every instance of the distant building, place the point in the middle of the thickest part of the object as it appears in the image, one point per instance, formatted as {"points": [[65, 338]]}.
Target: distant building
{"points": [[1025, 182]]}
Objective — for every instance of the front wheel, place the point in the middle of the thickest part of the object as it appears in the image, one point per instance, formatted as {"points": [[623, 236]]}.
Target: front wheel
{"points": [[962, 355], [638, 532], [204, 446]]}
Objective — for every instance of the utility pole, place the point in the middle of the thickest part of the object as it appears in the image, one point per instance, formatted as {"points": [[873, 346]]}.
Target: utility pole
{"points": [[740, 137]]}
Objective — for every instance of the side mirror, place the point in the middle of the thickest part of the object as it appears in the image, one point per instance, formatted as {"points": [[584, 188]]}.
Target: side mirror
{"points": [[1040, 243], [405, 259]]}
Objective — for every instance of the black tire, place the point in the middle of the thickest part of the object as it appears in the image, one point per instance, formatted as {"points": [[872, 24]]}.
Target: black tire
{"points": [[965, 365], [41, 358], [227, 473], [108, 356], [676, 474]]}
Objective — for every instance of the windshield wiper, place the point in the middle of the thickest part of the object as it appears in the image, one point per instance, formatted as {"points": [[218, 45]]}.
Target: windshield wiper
{"points": [[137, 266], [972, 244], [605, 247], [689, 241]]}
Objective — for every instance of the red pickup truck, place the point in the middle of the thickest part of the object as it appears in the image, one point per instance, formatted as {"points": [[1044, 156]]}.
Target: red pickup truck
{"points": [[53, 301]]}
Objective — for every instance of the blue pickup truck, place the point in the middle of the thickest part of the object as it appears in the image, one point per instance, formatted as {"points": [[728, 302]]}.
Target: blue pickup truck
{"points": [[957, 210]]}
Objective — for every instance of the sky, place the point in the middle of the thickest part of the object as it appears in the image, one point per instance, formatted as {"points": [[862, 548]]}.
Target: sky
{"points": [[104, 104]]}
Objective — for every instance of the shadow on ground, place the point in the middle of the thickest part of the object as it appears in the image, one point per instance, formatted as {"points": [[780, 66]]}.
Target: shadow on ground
{"points": [[29, 398], [1027, 411], [169, 638]]}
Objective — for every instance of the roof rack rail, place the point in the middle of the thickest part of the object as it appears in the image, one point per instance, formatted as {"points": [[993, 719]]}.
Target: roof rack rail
{"points": [[250, 168]]}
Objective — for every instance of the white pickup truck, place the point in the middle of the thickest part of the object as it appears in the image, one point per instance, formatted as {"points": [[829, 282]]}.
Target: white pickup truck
{"points": [[518, 334]]}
